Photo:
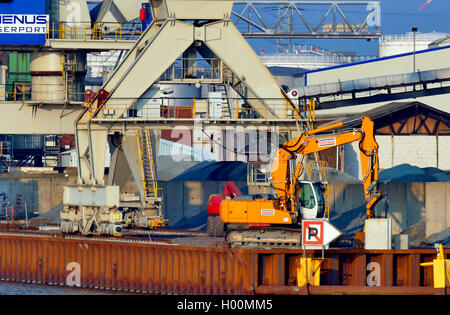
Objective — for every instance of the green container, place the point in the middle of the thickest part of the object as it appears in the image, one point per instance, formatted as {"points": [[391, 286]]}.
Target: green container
{"points": [[19, 77]]}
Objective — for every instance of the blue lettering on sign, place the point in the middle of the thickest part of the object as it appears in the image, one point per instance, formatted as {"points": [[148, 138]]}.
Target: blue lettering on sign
{"points": [[13, 24], [7, 19], [23, 22], [23, 19]]}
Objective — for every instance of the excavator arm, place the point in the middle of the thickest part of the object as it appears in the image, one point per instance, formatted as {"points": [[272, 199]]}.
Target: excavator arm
{"points": [[321, 139], [276, 221]]}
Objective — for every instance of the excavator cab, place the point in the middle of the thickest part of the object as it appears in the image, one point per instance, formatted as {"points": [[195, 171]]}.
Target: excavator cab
{"points": [[311, 200]]}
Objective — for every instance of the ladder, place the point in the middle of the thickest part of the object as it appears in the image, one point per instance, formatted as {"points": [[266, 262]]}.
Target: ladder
{"points": [[148, 168], [69, 69]]}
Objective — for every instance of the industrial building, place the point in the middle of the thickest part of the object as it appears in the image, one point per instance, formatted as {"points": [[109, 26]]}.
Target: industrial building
{"points": [[150, 144]]}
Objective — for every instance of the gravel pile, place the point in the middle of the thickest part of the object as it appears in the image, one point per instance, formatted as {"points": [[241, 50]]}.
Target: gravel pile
{"points": [[349, 222], [335, 176], [215, 171], [406, 173]]}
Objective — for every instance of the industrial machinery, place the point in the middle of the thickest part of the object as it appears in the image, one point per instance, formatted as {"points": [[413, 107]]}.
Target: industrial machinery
{"points": [[214, 223], [199, 45], [277, 221], [175, 37]]}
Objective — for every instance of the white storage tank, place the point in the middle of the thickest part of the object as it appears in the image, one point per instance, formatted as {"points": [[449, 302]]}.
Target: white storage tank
{"points": [[166, 100], [399, 44], [179, 94], [48, 81]]}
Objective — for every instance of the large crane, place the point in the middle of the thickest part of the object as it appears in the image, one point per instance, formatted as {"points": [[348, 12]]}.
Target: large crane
{"points": [[277, 220]]}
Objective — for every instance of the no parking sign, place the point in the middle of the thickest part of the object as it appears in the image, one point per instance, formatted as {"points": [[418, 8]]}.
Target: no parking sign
{"points": [[312, 232], [318, 233]]}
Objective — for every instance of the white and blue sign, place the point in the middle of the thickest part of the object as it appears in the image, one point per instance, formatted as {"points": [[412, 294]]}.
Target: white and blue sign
{"points": [[23, 22]]}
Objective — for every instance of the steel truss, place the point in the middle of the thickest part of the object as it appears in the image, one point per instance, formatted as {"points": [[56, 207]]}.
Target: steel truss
{"points": [[251, 15]]}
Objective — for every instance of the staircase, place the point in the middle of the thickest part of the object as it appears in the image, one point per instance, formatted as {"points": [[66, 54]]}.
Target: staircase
{"points": [[259, 108], [146, 154], [226, 107], [52, 151], [5, 155]]}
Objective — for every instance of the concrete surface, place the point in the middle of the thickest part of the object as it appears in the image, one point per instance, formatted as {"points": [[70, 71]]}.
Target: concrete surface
{"points": [[40, 191]]}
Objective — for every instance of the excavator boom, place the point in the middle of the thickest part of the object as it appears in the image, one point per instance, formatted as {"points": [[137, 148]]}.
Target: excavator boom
{"points": [[316, 141], [278, 219]]}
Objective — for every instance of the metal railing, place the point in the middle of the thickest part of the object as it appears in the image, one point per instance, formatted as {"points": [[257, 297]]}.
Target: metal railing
{"points": [[312, 58], [185, 109], [23, 91], [97, 31], [409, 37], [255, 176], [194, 68], [317, 171]]}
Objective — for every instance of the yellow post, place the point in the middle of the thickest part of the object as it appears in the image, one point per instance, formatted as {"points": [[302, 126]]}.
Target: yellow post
{"points": [[310, 110], [441, 269], [237, 109], [314, 109], [193, 108], [308, 271]]}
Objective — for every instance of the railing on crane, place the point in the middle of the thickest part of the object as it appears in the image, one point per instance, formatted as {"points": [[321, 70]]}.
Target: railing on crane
{"points": [[80, 31]]}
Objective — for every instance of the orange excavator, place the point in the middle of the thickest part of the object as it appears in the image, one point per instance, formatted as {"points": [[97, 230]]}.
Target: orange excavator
{"points": [[276, 222]]}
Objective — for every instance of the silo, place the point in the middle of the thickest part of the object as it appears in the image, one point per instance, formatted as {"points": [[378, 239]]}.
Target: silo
{"points": [[47, 84], [179, 95], [52, 71], [399, 44]]}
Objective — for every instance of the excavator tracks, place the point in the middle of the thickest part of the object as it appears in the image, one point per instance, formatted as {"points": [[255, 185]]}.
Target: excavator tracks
{"points": [[264, 238]]}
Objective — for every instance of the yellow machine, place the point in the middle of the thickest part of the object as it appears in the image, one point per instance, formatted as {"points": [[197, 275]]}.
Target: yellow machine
{"points": [[276, 221]]}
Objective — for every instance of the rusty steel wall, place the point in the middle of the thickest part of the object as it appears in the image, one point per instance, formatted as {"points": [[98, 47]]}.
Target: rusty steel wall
{"points": [[160, 269], [131, 266]]}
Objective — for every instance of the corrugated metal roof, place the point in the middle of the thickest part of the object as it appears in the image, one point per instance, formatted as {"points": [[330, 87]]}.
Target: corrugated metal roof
{"points": [[391, 108]]}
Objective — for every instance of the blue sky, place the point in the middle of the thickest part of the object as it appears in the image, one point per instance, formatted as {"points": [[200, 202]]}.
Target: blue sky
{"points": [[397, 17]]}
